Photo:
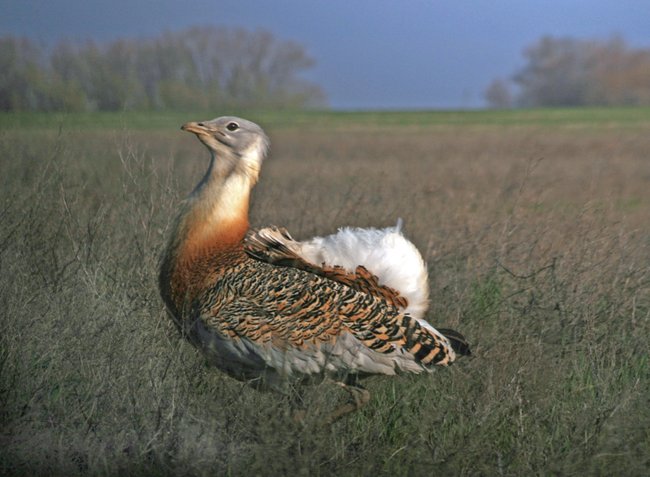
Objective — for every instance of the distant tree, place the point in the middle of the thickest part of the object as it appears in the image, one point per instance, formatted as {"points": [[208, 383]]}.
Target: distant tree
{"points": [[72, 72], [572, 72], [197, 68], [498, 95], [21, 82], [557, 73], [242, 68], [620, 75]]}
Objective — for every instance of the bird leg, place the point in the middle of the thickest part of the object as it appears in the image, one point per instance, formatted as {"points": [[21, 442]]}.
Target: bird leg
{"points": [[359, 397]]}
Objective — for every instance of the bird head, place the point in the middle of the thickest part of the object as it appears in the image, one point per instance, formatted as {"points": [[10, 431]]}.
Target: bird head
{"points": [[234, 139]]}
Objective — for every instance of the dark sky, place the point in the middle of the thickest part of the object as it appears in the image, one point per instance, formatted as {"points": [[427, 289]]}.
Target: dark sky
{"points": [[371, 54]]}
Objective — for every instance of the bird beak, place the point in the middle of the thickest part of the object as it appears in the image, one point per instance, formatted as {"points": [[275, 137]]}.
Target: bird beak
{"points": [[196, 128]]}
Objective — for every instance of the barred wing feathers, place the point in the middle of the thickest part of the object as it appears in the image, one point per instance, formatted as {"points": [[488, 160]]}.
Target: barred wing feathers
{"points": [[383, 261], [274, 245], [301, 323]]}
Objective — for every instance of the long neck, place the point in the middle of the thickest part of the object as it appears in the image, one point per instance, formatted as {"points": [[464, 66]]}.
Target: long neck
{"points": [[216, 213], [213, 220]]}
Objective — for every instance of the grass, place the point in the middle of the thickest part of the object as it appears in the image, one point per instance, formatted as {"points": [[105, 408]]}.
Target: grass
{"points": [[537, 240], [319, 120]]}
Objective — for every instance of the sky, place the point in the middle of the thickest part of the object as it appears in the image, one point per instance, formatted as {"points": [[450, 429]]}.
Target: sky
{"points": [[370, 54]]}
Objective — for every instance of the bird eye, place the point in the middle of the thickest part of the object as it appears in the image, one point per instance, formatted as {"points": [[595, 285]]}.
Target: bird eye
{"points": [[232, 126]]}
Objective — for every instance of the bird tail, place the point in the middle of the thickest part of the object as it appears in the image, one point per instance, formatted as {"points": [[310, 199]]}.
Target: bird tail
{"points": [[386, 253], [458, 342]]}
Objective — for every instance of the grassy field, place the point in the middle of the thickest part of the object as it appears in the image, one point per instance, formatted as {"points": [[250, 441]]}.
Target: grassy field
{"points": [[319, 120], [536, 229]]}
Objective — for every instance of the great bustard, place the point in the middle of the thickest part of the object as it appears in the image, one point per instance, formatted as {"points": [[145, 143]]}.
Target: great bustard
{"points": [[269, 309]]}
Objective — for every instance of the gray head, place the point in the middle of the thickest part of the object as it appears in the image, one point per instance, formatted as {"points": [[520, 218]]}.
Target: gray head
{"points": [[233, 139]]}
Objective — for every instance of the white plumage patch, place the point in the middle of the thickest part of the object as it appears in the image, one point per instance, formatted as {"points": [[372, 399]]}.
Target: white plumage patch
{"points": [[386, 253]]}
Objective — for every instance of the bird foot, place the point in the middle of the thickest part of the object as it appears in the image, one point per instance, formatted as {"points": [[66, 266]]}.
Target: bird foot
{"points": [[359, 397]]}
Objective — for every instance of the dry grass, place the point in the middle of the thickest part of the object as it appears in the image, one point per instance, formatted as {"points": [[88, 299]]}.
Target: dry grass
{"points": [[538, 244]]}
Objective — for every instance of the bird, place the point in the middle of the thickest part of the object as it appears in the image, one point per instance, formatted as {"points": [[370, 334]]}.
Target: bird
{"points": [[278, 313]]}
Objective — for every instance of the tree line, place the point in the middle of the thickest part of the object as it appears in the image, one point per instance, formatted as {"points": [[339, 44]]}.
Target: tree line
{"points": [[574, 72], [198, 68]]}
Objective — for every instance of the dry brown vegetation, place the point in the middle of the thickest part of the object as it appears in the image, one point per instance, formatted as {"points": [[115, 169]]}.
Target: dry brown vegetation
{"points": [[537, 240]]}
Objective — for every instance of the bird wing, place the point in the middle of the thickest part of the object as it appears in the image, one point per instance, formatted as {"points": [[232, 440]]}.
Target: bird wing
{"points": [[305, 323], [275, 245]]}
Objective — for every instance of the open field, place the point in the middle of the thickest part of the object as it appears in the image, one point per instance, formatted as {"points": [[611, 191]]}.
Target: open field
{"points": [[319, 120], [536, 229]]}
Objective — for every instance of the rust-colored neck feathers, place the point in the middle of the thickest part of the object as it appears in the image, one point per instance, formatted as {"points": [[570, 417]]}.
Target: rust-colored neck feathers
{"points": [[208, 232]]}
